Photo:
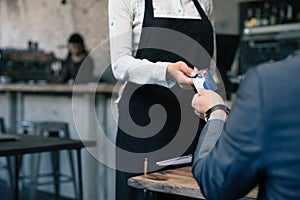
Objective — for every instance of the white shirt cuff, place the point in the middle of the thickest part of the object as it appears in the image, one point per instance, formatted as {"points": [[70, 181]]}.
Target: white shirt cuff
{"points": [[161, 74]]}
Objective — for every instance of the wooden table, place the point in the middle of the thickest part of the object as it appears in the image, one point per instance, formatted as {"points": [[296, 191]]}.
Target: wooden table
{"points": [[34, 144], [176, 181]]}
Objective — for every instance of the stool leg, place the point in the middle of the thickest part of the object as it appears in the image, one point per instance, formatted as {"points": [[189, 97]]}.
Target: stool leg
{"points": [[80, 195], [73, 171], [10, 168], [12, 164], [55, 167], [35, 168], [16, 182]]}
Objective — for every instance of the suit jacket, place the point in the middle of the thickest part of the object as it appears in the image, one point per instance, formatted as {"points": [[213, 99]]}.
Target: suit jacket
{"points": [[260, 141]]}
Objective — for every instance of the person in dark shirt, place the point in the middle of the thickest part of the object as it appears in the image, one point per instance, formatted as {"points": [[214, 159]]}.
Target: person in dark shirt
{"points": [[79, 65]]}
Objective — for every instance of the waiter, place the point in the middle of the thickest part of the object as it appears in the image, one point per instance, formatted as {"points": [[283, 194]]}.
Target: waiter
{"points": [[155, 46]]}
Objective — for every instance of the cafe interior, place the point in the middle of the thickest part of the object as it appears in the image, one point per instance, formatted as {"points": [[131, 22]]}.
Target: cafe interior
{"points": [[36, 98]]}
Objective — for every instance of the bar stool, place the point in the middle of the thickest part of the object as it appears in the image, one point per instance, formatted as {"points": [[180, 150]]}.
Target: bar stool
{"points": [[2, 128], [49, 129], [8, 165]]}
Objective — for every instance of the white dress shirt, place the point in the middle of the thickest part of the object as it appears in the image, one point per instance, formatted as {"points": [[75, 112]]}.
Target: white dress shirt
{"points": [[125, 22]]}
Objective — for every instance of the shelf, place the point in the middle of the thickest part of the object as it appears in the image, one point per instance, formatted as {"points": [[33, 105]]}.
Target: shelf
{"points": [[278, 32], [272, 29]]}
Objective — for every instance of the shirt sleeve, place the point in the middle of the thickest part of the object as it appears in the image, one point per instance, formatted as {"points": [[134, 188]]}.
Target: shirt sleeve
{"points": [[124, 66], [226, 165]]}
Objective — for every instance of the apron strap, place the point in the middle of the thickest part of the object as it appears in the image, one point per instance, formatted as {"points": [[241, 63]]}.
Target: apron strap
{"points": [[200, 9]]}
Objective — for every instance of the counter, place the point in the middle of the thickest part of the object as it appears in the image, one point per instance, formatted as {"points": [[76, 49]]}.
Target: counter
{"points": [[57, 88]]}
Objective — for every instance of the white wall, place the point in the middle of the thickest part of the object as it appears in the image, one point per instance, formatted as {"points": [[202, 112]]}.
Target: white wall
{"points": [[50, 23]]}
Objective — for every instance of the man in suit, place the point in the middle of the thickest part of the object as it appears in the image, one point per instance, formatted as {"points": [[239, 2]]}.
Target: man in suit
{"points": [[258, 143]]}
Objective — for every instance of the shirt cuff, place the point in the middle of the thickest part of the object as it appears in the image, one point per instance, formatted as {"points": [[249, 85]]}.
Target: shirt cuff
{"points": [[161, 74], [217, 117]]}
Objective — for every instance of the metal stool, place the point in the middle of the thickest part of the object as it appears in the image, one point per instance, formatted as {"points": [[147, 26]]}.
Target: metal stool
{"points": [[8, 165], [2, 128], [49, 129]]}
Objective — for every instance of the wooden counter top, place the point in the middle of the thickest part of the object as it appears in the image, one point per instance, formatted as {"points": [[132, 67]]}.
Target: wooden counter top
{"points": [[58, 88], [176, 181]]}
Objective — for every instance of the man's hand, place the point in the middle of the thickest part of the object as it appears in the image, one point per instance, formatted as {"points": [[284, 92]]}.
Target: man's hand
{"points": [[204, 100], [181, 73]]}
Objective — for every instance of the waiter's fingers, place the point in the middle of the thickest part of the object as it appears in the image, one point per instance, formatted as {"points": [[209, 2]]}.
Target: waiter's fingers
{"points": [[186, 69], [181, 72], [185, 83]]}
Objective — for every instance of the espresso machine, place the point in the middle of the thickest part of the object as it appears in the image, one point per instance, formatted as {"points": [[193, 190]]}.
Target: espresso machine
{"points": [[30, 65]]}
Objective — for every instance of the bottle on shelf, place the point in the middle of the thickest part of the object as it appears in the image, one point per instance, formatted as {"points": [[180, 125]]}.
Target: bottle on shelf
{"points": [[273, 15], [281, 15], [265, 15], [247, 22], [258, 16], [297, 16], [289, 13]]}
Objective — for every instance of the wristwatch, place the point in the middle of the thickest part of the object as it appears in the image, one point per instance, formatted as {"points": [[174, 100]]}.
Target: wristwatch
{"points": [[223, 107]]}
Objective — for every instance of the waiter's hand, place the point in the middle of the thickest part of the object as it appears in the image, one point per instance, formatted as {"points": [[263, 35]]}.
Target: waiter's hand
{"points": [[181, 73]]}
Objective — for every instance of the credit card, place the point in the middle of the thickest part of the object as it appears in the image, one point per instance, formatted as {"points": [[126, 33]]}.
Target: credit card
{"points": [[203, 79]]}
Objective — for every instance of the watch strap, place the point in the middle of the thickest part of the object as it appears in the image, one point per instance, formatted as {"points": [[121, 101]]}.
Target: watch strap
{"points": [[214, 108]]}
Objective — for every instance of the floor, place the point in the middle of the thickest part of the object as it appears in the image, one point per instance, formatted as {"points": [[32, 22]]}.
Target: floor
{"points": [[6, 193]]}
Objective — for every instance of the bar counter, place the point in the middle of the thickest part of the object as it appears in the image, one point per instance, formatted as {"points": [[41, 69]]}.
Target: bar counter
{"points": [[57, 88]]}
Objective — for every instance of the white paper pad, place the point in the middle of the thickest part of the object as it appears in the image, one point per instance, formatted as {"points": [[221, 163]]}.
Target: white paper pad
{"points": [[176, 161]]}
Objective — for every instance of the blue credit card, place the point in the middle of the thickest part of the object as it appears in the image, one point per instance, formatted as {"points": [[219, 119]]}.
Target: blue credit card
{"points": [[203, 79]]}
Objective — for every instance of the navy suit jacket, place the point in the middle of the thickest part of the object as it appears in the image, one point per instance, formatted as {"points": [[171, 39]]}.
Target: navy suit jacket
{"points": [[259, 144]]}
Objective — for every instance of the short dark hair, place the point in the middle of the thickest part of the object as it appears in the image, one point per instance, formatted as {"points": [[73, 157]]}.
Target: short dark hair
{"points": [[76, 38]]}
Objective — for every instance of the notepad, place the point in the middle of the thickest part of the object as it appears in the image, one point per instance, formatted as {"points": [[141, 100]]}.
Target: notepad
{"points": [[176, 161]]}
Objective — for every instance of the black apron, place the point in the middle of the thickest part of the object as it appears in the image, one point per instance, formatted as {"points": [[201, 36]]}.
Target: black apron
{"points": [[168, 40]]}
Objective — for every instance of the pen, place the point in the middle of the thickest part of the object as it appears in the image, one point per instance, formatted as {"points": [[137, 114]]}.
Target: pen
{"points": [[145, 166], [145, 173]]}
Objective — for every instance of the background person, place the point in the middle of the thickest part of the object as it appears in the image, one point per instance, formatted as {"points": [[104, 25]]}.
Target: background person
{"points": [[78, 57], [259, 143]]}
